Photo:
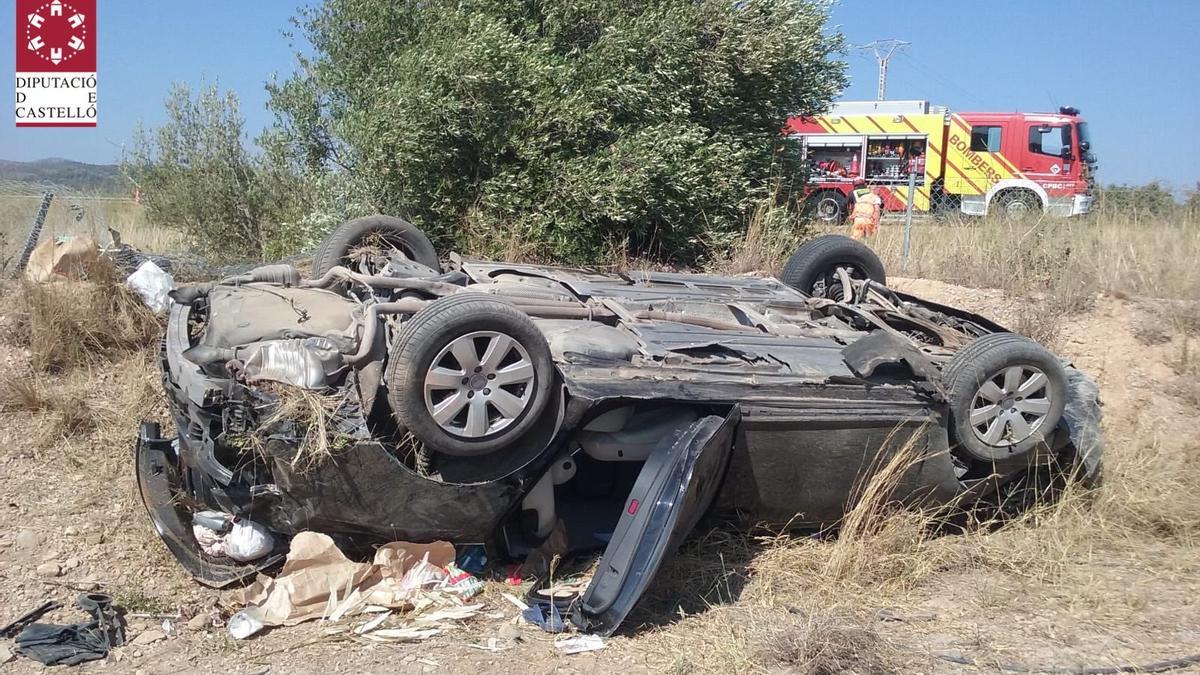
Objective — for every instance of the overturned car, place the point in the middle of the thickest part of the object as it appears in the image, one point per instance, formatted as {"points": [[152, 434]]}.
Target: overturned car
{"points": [[489, 403]]}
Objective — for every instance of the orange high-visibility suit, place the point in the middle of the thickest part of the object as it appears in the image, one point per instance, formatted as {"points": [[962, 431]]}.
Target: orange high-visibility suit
{"points": [[868, 208]]}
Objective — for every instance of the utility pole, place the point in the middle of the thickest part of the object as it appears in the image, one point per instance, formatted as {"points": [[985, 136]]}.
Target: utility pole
{"points": [[883, 50]]}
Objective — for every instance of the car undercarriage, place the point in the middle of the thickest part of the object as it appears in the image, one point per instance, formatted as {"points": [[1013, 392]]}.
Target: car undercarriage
{"points": [[391, 397]]}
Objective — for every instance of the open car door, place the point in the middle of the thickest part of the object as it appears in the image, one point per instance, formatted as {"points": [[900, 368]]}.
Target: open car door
{"points": [[675, 487]]}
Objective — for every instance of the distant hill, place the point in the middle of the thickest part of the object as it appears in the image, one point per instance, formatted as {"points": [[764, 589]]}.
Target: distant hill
{"points": [[62, 174]]}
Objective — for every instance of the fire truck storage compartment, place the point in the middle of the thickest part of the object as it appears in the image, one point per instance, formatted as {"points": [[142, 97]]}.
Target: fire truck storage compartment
{"points": [[890, 158], [834, 157]]}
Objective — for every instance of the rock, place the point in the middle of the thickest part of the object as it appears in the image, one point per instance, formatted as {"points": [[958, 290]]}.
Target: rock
{"points": [[28, 539], [6, 655], [50, 569], [199, 622], [148, 638], [70, 530], [508, 632], [86, 585]]}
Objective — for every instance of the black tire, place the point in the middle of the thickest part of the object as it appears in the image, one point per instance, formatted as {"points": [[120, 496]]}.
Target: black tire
{"points": [[987, 358], [812, 269], [1019, 205], [828, 206], [335, 248], [432, 330]]}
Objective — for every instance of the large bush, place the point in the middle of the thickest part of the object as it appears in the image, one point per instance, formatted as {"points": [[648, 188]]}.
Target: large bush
{"points": [[575, 126], [196, 174]]}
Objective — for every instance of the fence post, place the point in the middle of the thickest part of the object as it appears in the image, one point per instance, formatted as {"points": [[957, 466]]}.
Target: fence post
{"points": [[912, 188], [35, 233]]}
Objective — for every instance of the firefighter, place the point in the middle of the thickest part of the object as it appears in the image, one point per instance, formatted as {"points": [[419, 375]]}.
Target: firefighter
{"points": [[868, 208]]}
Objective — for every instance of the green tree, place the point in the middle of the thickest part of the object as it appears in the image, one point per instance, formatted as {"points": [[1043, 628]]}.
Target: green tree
{"points": [[1192, 204], [1150, 200], [575, 125], [196, 175]]}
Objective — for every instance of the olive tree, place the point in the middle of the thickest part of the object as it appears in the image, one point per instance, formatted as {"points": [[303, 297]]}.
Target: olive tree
{"points": [[197, 174], [573, 125]]}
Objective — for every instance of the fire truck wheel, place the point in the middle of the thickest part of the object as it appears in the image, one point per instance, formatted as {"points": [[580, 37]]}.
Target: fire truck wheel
{"points": [[829, 206], [1019, 205]]}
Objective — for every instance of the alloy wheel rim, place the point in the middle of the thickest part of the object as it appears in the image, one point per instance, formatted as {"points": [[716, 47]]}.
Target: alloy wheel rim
{"points": [[1017, 209], [479, 384], [827, 209], [1011, 406]]}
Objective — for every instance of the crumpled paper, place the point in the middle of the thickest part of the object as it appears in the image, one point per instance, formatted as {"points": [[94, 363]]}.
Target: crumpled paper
{"points": [[318, 580]]}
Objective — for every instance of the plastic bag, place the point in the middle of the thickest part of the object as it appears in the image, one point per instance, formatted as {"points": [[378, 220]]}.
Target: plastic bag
{"points": [[153, 284], [247, 541]]}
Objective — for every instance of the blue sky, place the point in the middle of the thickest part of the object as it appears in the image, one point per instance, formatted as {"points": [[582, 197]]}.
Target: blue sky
{"points": [[1131, 68]]}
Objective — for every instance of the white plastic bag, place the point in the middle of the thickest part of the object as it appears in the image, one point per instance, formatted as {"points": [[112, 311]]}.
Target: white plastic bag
{"points": [[245, 623], [248, 541], [153, 283]]}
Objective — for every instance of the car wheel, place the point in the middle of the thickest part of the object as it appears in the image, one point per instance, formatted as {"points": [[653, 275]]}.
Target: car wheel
{"points": [[469, 375], [349, 245], [1019, 205], [1006, 395], [813, 268]]}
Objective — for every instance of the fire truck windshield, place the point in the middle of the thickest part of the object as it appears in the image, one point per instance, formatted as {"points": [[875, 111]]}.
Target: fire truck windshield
{"points": [[1085, 141]]}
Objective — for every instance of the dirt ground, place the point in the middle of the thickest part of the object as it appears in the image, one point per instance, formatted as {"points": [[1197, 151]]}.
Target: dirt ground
{"points": [[1077, 589]]}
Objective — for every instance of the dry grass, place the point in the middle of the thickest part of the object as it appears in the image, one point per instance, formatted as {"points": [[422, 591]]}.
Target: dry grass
{"points": [[1056, 266], [69, 413], [314, 415], [78, 214], [771, 236], [827, 643], [69, 324]]}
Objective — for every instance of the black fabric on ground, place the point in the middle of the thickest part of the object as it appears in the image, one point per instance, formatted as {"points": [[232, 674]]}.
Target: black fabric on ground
{"points": [[69, 645]]}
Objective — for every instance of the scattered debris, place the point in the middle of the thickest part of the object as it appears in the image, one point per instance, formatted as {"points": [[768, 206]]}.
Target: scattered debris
{"points": [[79, 258], [579, 644], [402, 634], [72, 258], [472, 559], [153, 284], [245, 623], [545, 615], [72, 644], [889, 614], [28, 617], [519, 603], [462, 583], [319, 582]]}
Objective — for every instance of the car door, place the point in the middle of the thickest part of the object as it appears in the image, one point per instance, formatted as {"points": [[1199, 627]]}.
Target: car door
{"points": [[676, 486], [1048, 152]]}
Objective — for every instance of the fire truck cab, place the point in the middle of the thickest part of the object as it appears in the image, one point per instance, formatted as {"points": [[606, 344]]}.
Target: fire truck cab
{"points": [[1020, 164]]}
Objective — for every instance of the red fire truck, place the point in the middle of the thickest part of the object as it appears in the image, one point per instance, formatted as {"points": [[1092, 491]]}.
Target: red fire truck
{"points": [[1020, 164]]}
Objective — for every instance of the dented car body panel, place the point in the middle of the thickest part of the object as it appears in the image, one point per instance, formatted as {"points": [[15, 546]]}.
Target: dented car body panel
{"points": [[785, 404]]}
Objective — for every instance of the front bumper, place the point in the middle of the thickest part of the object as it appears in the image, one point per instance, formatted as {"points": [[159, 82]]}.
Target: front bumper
{"points": [[1081, 204], [156, 463]]}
